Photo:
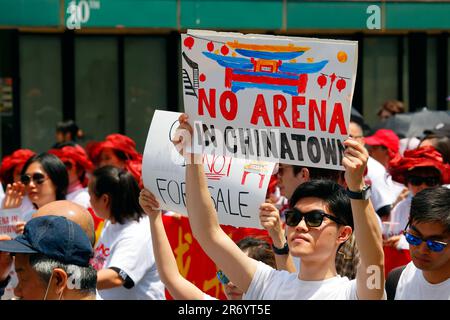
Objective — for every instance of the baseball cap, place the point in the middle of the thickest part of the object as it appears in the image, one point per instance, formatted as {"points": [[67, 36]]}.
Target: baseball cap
{"points": [[54, 237], [384, 137]]}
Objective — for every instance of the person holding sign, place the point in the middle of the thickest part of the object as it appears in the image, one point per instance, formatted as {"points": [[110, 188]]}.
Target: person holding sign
{"points": [[179, 287], [320, 220]]}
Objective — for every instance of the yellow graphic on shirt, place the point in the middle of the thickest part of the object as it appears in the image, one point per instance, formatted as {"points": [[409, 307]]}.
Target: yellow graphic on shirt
{"points": [[181, 250]]}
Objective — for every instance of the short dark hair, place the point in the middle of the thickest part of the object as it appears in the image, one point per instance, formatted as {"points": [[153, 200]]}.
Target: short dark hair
{"points": [[431, 205], [318, 173], [55, 169], [68, 126], [123, 190], [259, 250], [44, 267], [331, 193]]}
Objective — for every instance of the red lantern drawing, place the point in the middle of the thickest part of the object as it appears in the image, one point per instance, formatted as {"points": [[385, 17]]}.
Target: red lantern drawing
{"points": [[322, 81], [189, 42], [340, 85], [210, 46], [224, 50]]}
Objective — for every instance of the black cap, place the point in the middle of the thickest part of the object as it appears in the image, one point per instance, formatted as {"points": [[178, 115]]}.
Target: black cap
{"points": [[54, 237]]}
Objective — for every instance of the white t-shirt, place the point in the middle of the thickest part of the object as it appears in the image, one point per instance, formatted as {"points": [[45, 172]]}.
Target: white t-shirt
{"points": [[399, 219], [384, 190], [80, 197], [413, 286], [271, 284], [129, 247]]}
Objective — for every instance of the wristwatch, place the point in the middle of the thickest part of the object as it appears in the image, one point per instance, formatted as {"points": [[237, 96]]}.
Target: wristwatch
{"points": [[364, 194], [280, 251]]}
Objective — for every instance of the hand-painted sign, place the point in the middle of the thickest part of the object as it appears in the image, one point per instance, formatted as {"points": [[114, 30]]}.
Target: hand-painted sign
{"points": [[237, 187], [267, 97]]}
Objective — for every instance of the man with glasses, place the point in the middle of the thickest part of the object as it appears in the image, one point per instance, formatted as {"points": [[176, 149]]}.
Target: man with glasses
{"points": [[427, 277], [315, 238]]}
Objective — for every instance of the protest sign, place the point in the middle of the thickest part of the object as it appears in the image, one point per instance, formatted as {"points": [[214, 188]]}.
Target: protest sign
{"points": [[274, 98], [8, 221], [237, 186]]}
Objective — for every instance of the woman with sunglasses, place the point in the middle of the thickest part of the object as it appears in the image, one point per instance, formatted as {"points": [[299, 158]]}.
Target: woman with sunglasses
{"points": [[10, 171], [418, 169], [427, 277], [178, 287], [123, 254], [43, 179]]}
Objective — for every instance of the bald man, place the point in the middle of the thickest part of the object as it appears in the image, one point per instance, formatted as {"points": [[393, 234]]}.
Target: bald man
{"points": [[71, 211], [64, 208]]}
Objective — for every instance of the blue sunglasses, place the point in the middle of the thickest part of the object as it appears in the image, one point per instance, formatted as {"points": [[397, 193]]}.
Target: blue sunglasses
{"points": [[433, 245], [222, 278]]}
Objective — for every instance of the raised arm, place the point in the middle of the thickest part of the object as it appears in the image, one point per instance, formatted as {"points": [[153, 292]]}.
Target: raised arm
{"points": [[179, 287], [269, 216], [205, 226], [370, 273]]}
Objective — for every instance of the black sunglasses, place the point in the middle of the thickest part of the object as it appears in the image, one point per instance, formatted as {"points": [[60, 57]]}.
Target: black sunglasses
{"points": [[429, 181], [37, 178], [313, 218]]}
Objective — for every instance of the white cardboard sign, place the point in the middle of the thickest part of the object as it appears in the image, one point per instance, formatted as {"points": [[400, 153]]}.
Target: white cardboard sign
{"points": [[238, 187], [283, 99]]}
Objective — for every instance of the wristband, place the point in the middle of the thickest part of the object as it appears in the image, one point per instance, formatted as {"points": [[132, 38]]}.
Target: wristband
{"points": [[280, 251]]}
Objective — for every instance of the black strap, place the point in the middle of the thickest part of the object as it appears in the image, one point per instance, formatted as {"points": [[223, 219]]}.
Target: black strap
{"points": [[128, 283], [392, 281]]}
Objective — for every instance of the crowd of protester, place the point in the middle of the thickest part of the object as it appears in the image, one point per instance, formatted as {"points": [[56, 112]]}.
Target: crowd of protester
{"points": [[89, 228]]}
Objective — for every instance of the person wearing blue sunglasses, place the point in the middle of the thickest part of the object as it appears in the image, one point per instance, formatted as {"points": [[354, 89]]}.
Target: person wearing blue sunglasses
{"points": [[427, 277]]}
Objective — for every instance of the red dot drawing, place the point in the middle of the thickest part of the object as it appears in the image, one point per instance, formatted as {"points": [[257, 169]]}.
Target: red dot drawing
{"points": [[189, 42], [341, 84], [322, 81], [224, 50], [202, 77], [210, 46]]}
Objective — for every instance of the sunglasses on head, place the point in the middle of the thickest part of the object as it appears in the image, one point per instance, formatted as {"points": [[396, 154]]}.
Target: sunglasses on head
{"points": [[429, 181], [222, 278], [433, 245], [313, 218], [38, 178]]}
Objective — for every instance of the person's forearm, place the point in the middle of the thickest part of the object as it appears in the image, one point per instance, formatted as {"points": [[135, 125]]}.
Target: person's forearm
{"points": [[202, 214], [108, 279], [178, 287], [367, 233], [370, 273], [206, 229]]}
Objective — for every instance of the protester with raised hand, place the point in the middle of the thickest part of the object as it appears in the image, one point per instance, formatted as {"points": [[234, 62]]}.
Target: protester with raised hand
{"points": [[320, 220]]}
